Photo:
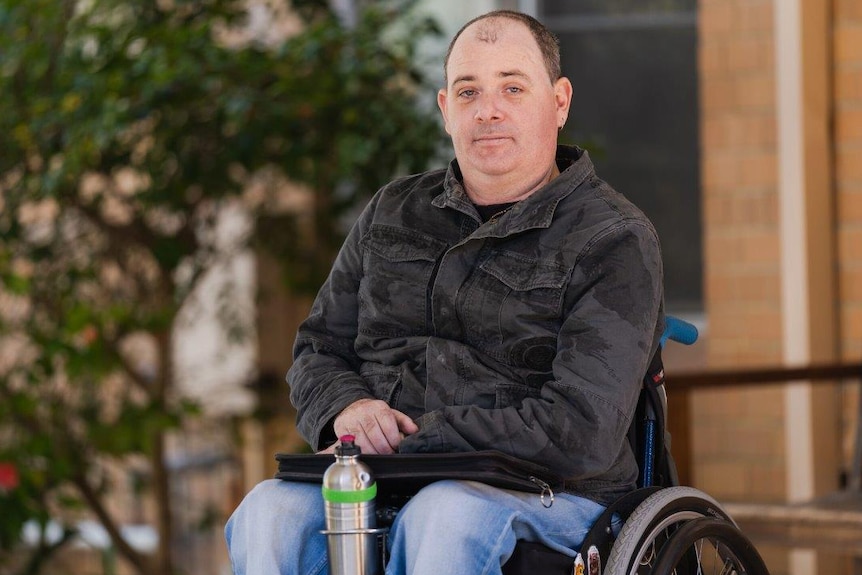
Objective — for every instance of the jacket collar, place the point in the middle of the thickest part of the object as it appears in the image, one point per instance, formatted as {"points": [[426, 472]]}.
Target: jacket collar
{"points": [[534, 211]]}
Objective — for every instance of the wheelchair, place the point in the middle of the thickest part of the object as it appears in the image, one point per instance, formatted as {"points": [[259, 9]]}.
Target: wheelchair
{"points": [[667, 528]]}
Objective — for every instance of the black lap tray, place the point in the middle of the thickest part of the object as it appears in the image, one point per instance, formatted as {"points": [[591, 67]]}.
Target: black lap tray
{"points": [[406, 473]]}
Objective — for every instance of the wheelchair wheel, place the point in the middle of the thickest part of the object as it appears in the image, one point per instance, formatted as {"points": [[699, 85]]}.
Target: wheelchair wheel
{"points": [[653, 523], [709, 546]]}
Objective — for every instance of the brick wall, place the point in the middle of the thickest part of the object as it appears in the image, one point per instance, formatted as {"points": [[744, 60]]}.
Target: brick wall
{"points": [[847, 51], [848, 164], [737, 436]]}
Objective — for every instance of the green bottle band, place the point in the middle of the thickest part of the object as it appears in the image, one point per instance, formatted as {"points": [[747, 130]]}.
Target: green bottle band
{"points": [[336, 496]]}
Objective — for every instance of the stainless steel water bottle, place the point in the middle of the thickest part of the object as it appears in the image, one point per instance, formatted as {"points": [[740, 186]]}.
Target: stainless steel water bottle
{"points": [[349, 490]]}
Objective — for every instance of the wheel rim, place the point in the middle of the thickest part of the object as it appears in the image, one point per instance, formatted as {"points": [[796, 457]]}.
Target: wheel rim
{"points": [[646, 552]]}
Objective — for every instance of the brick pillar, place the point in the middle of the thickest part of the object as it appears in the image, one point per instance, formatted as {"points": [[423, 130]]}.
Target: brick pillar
{"points": [[848, 175], [737, 435], [847, 53]]}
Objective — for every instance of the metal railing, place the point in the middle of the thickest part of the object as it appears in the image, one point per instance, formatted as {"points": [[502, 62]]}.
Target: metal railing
{"points": [[682, 383], [831, 522]]}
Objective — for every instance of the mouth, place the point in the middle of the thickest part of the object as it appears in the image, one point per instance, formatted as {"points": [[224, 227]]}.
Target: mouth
{"points": [[491, 139]]}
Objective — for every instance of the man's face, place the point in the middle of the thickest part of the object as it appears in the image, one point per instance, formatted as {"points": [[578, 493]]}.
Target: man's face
{"points": [[500, 107]]}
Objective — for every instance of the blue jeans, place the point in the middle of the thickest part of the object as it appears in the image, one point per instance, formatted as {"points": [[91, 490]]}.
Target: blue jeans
{"points": [[448, 528]]}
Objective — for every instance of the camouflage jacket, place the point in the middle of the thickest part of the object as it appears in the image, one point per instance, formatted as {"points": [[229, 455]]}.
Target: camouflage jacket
{"points": [[528, 333]]}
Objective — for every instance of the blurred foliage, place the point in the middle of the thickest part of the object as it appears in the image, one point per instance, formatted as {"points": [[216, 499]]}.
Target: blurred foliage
{"points": [[127, 128]]}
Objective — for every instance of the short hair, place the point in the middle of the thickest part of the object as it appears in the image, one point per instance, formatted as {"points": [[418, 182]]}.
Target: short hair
{"points": [[548, 43]]}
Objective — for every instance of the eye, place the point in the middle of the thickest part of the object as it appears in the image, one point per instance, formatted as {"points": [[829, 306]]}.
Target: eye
{"points": [[514, 90], [467, 93]]}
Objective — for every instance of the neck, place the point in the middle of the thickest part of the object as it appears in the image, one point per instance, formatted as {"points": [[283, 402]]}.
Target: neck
{"points": [[488, 190]]}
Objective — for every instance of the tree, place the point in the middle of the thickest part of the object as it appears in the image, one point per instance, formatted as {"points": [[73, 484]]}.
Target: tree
{"points": [[126, 129]]}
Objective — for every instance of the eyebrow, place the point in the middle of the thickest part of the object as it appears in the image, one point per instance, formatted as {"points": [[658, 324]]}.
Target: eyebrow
{"points": [[503, 74]]}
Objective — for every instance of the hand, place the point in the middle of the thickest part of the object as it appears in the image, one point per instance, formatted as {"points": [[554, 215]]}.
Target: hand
{"points": [[377, 427]]}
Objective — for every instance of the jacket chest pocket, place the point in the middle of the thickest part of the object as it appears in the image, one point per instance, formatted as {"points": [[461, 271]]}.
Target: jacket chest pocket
{"points": [[512, 298], [398, 265]]}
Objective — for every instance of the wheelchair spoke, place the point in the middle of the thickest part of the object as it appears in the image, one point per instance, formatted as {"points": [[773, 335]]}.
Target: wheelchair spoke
{"points": [[681, 531], [704, 556], [708, 546]]}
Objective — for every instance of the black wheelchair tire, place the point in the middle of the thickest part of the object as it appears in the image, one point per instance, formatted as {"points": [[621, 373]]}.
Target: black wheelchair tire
{"points": [[728, 551], [654, 521]]}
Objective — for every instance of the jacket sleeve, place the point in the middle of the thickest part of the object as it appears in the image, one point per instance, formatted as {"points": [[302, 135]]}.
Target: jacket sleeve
{"points": [[324, 376], [579, 422]]}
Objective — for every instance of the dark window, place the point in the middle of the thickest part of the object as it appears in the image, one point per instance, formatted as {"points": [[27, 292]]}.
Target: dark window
{"points": [[633, 65]]}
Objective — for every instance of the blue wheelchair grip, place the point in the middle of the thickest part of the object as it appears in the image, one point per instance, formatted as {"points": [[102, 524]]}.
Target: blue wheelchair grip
{"points": [[679, 331]]}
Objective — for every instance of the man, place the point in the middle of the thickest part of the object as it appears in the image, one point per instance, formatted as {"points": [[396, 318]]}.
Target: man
{"points": [[511, 302]]}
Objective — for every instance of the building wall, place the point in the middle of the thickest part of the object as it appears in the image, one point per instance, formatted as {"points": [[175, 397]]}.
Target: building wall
{"points": [[847, 50], [742, 281], [740, 437], [848, 169]]}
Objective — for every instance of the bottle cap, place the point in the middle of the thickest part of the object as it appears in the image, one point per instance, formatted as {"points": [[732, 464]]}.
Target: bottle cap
{"points": [[347, 446]]}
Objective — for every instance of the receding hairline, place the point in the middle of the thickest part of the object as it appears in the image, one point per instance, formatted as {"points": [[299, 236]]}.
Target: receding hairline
{"points": [[546, 41]]}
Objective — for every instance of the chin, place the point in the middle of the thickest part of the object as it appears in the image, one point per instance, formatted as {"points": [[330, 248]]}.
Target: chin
{"points": [[496, 164]]}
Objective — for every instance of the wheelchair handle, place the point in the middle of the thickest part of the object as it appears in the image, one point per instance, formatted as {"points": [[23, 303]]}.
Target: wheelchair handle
{"points": [[679, 331]]}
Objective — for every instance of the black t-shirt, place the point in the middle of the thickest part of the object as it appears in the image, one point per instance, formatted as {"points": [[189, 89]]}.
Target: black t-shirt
{"points": [[488, 212]]}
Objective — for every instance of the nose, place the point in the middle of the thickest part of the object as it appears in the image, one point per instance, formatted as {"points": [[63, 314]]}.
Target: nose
{"points": [[488, 109]]}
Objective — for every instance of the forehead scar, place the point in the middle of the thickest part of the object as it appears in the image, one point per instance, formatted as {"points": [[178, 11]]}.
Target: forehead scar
{"points": [[487, 31]]}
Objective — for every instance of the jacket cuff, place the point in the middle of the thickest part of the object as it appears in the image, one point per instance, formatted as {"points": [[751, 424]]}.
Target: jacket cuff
{"points": [[429, 438]]}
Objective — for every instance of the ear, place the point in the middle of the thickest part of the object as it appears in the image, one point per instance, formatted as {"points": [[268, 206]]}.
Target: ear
{"points": [[563, 96], [442, 103]]}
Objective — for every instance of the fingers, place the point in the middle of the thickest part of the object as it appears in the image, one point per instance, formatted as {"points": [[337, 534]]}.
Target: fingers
{"points": [[372, 424], [376, 426], [405, 424]]}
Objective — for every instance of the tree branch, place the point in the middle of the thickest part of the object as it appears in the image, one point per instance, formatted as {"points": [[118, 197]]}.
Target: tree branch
{"points": [[87, 492], [141, 563], [44, 551], [134, 375], [161, 478]]}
